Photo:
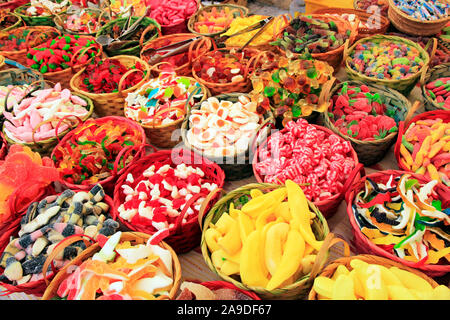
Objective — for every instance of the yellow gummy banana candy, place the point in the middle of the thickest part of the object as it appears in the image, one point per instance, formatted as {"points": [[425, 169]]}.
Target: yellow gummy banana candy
{"points": [[323, 286], [269, 200], [252, 268], [411, 281], [275, 240], [343, 288]]}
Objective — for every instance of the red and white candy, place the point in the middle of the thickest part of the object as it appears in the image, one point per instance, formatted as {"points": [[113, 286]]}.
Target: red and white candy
{"points": [[159, 195], [305, 154]]}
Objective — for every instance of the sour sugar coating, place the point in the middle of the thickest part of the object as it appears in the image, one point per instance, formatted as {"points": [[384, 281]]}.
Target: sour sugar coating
{"points": [[47, 223]]}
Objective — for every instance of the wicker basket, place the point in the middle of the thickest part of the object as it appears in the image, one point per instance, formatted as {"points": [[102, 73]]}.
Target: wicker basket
{"points": [[407, 24], [147, 24], [37, 20], [162, 136], [327, 207], [183, 237], [243, 85], [237, 11], [439, 71], [297, 290], [40, 286], [196, 49], [330, 269], [61, 19], [405, 85], [371, 152], [108, 183], [363, 17], [334, 57], [21, 55], [111, 104], [364, 245], [442, 114], [135, 238], [18, 21], [239, 166], [45, 147]]}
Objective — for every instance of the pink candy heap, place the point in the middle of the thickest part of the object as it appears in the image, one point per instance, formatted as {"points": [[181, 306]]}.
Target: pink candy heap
{"points": [[305, 153]]}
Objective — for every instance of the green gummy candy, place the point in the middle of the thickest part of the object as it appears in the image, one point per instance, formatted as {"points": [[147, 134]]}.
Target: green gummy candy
{"points": [[44, 69], [66, 58], [402, 60]]}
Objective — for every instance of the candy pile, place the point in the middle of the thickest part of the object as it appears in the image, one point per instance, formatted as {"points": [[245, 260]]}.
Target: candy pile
{"points": [[46, 224], [424, 10], [103, 76], [19, 39], [439, 91], [23, 175], [360, 114], [223, 128], [240, 23], [292, 85], [161, 100], [268, 242], [46, 7], [215, 20], [57, 54], [386, 59], [89, 156], [352, 18], [197, 291], [45, 105], [306, 154], [121, 271], [157, 198], [404, 217], [221, 67], [84, 21], [312, 35], [16, 93], [393, 284], [173, 12], [425, 149]]}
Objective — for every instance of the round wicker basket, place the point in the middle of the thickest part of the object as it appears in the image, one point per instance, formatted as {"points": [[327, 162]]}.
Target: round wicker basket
{"points": [[16, 21], [439, 71], [61, 19], [329, 270], [407, 24], [111, 104], [46, 20], [135, 238]]}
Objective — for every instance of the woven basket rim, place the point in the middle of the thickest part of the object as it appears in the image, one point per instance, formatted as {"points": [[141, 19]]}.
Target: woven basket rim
{"points": [[373, 247], [319, 218], [76, 76], [16, 24], [388, 138], [23, 51], [194, 17], [399, 12], [345, 261], [64, 15], [95, 247], [387, 37], [233, 95], [89, 107]]}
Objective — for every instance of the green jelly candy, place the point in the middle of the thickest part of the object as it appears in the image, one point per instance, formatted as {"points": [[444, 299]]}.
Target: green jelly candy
{"points": [[402, 60], [52, 66], [34, 66], [64, 65], [66, 58], [269, 91], [66, 47], [311, 73], [44, 69], [68, 39], [276, 77], [296, 111]]}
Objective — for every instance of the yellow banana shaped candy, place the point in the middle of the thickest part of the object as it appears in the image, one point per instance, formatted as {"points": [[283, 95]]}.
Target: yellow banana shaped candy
{"points": [[275, 240], [252, 268]]}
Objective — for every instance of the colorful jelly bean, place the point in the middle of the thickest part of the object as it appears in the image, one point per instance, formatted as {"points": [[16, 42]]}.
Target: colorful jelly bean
{"points": [[386, 59]]}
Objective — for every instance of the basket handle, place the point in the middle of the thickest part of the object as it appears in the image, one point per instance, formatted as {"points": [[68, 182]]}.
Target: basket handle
{"points": [[63, 119], [325, 92], [351, 178], [329, 241], [156, 65], [34, 30], [346, 51], [84, 50], [187, 205], [433, 49], [206, 42], [412, 110], [202, 211], [26, 91], [423, 75], [146, 30], [125, 75], [255, 145], [125, 152], [61, 246], [253, 62]]}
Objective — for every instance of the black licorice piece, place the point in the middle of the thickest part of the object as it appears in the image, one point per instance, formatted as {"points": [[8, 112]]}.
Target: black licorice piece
{"points": [[68, 230]]}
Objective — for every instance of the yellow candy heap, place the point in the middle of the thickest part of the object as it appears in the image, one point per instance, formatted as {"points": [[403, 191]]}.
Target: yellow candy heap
{"points": [[269, 242], [376, 282]]}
